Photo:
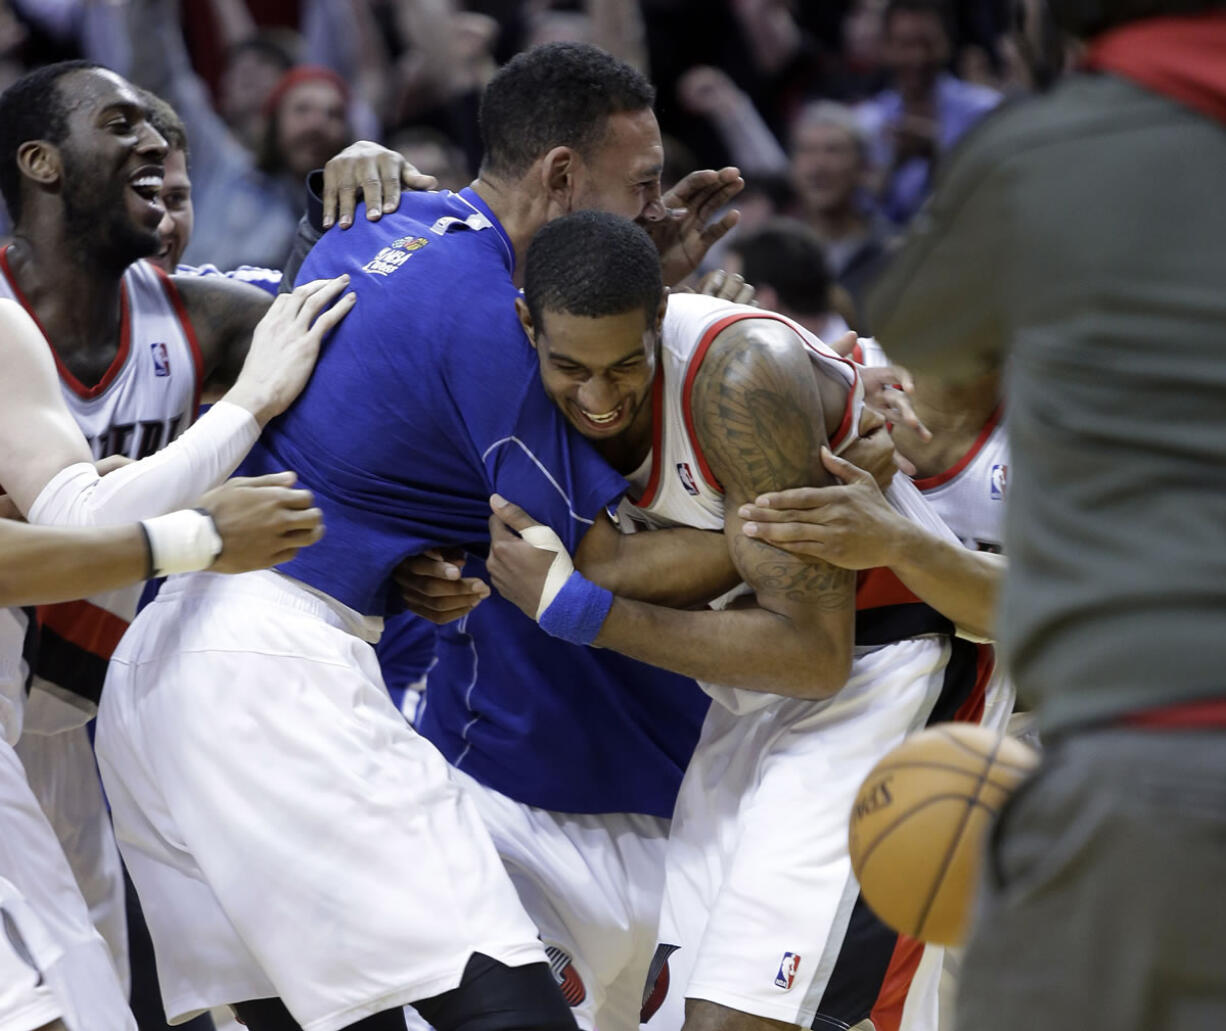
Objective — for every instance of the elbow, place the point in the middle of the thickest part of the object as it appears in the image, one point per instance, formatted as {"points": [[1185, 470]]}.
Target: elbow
{"points": [[818, 673]]}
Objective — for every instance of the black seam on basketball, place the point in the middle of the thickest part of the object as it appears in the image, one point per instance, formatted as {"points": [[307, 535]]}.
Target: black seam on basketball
{"points": [[972, 800], [949, 735], [928, 764], [955, 838]]}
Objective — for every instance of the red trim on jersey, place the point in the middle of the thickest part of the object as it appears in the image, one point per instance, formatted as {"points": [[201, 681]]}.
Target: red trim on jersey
{"points": [[928, 482], [1202, 714], [886, 1013], [121, 353], [700, 353], [971, 710], [657, 433], [86, 625], [857, 354], [189, 331], [879, 587]]}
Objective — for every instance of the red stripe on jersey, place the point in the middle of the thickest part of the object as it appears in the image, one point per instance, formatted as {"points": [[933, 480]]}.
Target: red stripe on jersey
{"points": [[928, 482], [1206, 712], [879, 587], [87, 626], [971, 710], [696, 360], [857, 354], [121, 354], [657, 434], [886, 1013], [189, 331]]}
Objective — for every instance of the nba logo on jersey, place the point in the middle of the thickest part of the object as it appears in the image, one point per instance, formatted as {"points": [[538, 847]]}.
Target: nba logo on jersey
{"points": [[1000, 479], [687, 478], [787, 970], [161, 359]]}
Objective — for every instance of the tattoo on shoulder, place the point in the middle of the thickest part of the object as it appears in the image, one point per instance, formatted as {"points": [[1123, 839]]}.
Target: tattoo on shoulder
{"points": [[818, 584], [758, 413]]}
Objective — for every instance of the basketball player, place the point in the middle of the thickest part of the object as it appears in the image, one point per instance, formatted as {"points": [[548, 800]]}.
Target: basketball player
{"points": [[439, 424], [46, 469], [704, 404]]}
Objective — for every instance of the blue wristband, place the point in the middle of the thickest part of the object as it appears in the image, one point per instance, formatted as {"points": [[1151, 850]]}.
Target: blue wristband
{"points": [[578, 611]]}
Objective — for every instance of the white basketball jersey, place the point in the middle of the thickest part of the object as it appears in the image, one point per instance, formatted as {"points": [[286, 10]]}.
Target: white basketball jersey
{"points": [[675, 487], [150, 393], [147, 397], [970, 495]]}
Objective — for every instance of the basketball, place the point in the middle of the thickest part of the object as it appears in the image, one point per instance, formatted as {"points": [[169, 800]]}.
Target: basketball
{"points": [[920, 821]]}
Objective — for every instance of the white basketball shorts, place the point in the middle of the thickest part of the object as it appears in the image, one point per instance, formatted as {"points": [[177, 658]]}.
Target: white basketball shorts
{"points": [[761, 911], [592, 883], [287, 831], [79, 969]]}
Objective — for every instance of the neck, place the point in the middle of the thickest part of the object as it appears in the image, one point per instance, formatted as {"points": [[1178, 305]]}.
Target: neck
{"points": [[75, 295], [834, 224], [519, 211]]}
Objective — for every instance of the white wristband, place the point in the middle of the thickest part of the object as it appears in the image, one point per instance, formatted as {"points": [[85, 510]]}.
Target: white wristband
{"points": [[559, 571], [182, 542]]}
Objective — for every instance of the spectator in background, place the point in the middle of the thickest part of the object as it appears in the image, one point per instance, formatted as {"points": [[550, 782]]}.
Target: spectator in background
{"points": [[253, 68], [926, 111], [432, 153], [783, 261], [829, 174], [248, 210]]}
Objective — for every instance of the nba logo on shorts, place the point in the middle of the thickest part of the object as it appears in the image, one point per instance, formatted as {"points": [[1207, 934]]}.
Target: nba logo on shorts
{"points": [[1000, 479], [687, 478], [161, 359], [787, 970]]}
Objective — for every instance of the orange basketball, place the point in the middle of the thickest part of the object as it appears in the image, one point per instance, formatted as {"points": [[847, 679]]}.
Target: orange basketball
{"points": [[919, 825]]}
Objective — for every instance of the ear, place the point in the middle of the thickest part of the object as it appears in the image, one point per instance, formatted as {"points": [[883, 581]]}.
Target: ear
{"points": [[525, 319], [40, 161], [560, 169]]}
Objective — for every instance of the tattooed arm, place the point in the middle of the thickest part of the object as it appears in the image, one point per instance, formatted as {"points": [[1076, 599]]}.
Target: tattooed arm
{"points": [[758, 417], [223, 313]]}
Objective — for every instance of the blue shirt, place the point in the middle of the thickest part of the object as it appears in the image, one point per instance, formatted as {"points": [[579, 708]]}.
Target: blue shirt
{"points": [[426, 400], [959, 105]]}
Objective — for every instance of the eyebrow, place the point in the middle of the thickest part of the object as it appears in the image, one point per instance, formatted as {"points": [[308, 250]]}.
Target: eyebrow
{"points": [[654, 172], [554, 356]]}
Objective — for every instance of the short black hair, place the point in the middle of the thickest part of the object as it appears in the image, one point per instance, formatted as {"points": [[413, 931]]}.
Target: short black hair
{"points": [[32, 108], [593, 264], [939, 9], [787, 256], [1087, 18], [554, 95], [165, 119]]}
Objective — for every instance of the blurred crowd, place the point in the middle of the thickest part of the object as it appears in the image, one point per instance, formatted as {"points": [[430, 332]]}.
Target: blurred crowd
{"points": [[836, 111]]}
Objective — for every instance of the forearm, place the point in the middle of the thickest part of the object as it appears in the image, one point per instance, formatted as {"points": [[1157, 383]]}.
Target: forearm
{"points": [[751, 145], [749, 648], [173, 478], [618, 28], [961, 584], [44, 565], [678, 568]]}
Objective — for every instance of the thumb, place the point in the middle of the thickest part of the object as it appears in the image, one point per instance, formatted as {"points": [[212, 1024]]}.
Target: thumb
{"points": [[842, 469], [512, 515]]}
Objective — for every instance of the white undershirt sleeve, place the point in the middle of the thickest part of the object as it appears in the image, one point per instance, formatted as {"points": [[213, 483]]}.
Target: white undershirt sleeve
{"points": [[174, 478]]}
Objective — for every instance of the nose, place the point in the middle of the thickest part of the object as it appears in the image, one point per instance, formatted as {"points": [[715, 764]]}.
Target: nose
{"points": [[152, 143], [166, 227], [654, 210], [597, 395]]}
